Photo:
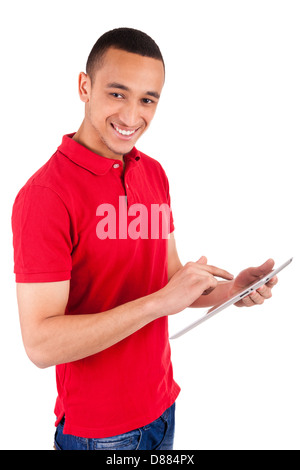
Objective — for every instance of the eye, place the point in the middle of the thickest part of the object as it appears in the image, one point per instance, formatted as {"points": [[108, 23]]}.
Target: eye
{"points": [[117, 95], [147, 101]]}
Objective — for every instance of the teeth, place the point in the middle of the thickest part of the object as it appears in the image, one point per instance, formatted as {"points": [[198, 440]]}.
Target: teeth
{"points": [[124, 132]]}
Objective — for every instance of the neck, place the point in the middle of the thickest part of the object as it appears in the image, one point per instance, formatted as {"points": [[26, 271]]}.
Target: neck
{"points": [[91, 142]]}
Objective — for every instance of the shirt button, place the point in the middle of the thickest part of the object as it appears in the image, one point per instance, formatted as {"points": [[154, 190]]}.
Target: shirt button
{"points": [[116, 165]]}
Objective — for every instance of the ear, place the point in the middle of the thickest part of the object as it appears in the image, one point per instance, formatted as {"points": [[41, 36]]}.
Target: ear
{"points": [[84, 87]]}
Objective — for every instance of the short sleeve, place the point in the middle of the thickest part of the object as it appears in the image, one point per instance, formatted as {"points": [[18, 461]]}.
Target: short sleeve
{"points": [[41, 236]]}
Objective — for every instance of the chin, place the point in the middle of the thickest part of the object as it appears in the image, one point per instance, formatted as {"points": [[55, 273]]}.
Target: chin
{"points": [[122, 149]]}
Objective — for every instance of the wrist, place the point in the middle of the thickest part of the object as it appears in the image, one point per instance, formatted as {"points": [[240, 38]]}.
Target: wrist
{"points": [[154, 305]]}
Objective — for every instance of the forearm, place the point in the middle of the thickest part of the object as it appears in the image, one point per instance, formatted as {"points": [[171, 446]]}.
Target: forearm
{"points": [[221, 293], [52, 338], [67, 338]]}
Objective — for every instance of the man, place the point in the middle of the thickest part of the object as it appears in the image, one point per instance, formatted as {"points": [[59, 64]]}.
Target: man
{"points": [[96, 264]]}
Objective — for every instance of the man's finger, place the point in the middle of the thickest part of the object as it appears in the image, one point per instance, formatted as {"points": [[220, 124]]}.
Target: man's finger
{"points": [[265, 292], [218, 272], [262, 270], [256, 298], [272, 282], [247, 302]]}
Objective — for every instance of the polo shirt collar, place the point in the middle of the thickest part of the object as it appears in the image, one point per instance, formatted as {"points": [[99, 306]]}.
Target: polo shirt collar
{"points": [[90, 160]]}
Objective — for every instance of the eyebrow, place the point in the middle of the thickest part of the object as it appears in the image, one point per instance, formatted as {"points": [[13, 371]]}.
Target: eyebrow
{"points": [[125, 88]]}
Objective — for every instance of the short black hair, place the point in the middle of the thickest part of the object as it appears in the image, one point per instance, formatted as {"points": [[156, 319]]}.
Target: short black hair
{"points": [[126, 39]]}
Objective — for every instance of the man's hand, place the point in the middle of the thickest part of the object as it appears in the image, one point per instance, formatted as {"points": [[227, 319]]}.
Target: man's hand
{"points": [[250, 275], [190, 282]]}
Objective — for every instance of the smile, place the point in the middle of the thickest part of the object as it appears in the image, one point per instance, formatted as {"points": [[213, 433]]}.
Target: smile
{"points": [[123, 132]]}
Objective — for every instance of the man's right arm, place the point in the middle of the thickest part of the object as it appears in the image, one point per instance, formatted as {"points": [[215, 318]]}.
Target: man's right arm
{"points": [[50, 337]]}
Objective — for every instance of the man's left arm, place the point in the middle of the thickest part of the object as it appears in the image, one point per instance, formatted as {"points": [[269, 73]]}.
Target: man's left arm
{"points": [[225, 289]]}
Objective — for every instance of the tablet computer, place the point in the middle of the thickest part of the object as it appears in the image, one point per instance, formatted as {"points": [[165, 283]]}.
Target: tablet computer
{"points": [[234, 299]]}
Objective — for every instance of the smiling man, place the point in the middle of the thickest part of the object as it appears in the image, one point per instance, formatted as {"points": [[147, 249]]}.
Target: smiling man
{"points": [[121, 95], [96, 304]]}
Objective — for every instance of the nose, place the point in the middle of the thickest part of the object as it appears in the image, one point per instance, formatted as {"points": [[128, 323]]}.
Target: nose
{"points": [[130, 114]]}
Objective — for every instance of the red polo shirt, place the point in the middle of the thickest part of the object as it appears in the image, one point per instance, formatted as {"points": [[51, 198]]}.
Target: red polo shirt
{"points": [[79, 218]]}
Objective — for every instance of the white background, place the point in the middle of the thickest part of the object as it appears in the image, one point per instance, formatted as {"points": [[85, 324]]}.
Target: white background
{"points": [[227, 134]]}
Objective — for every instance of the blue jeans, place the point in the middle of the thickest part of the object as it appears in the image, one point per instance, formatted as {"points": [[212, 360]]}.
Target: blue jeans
{"points": [[158, 435]]}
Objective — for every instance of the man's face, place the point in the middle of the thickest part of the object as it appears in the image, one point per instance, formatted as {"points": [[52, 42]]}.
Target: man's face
{"points": [[122, 100]]}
